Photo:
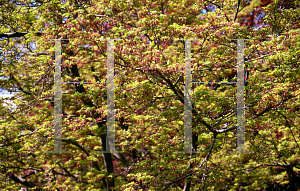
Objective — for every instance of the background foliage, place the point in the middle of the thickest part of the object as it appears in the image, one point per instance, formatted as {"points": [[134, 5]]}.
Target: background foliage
{"points": [[149, 92]]}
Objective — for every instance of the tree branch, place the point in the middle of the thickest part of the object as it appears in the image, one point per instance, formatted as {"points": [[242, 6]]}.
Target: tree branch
{"points": [[21, 180], [289, 126], [237, 10], [204, 160], [81, 148], [225, 130], [18, 85], [269, 108], [219, 8], [17, 34]]}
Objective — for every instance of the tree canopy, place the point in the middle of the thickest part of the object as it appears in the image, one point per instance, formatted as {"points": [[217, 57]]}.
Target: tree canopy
{"points": [[149, 68]]}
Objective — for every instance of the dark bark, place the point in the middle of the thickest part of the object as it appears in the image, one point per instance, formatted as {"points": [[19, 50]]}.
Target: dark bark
{"points": [[108, 163], [16, 34], [106, 156], [124, 126], [21, 180], [188, 184]]}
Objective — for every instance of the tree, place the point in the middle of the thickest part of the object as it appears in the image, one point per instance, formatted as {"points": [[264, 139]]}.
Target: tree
{"points": [[149, 95]]}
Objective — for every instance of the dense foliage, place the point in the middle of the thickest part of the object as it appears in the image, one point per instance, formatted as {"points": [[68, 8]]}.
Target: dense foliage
{"points": [[149, 94]]}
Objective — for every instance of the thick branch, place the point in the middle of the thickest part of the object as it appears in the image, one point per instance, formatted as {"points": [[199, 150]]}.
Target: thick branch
{"points": [[237, 10], [21, 180], [16, 34], [107, 156], [173, 88], [225, 130]]}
